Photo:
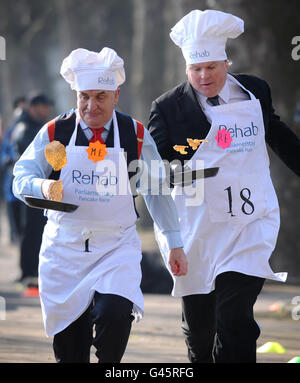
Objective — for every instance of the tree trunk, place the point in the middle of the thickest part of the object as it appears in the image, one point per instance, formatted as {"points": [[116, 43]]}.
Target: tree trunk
{"points": [[137, 66]]}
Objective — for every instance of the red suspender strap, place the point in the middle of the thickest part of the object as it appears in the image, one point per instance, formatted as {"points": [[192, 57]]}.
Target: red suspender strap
{"points": [[140, 136], [51, 130]]}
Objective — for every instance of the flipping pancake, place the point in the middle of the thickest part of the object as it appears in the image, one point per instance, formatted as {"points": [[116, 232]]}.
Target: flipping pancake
{"points": [[194, 143], [180, 149], [56, 156]]}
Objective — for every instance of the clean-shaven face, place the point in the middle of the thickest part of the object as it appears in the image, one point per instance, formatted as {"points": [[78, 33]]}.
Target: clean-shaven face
{"points": [[96, 107], [208, 78]]}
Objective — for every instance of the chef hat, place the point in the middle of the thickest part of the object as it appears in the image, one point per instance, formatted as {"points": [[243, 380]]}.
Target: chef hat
{"points": [[86, 70], [202, 35]]}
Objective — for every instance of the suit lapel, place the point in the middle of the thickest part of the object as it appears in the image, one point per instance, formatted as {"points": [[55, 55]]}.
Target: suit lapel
{"points": [[81, 139], [127, 137], [197, 126], [193, 123], [110, 138]]}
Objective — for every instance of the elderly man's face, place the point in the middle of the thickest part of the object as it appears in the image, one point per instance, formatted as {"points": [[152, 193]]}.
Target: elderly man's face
{"points": [[96, 106], [208, 78]]}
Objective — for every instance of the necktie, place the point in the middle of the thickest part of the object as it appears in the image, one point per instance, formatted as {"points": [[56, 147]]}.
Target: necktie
{"points": [[214, 101], [97, 135]]}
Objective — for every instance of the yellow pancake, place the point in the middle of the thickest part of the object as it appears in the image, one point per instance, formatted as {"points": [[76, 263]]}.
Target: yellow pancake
{"points": [[180, 149], [56, 156]]}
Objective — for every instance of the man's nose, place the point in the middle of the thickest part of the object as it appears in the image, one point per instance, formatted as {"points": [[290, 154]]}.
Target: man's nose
{"points": [[91, 104], [204, 74]]}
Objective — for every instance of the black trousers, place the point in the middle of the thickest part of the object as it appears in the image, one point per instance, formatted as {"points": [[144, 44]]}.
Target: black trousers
{"points": [[112, 318], [220, 327], [31, 239], [15, 213]]}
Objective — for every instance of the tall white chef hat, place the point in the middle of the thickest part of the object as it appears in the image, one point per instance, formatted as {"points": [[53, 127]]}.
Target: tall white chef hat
{"points": [[86, 70], [202, 35]]}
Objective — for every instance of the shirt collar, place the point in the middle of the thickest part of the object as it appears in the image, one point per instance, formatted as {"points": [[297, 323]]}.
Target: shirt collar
{"points": [[225, 92]]}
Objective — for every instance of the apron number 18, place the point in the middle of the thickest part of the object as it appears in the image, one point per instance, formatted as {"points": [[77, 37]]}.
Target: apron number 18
{"points": [[245, 194]]}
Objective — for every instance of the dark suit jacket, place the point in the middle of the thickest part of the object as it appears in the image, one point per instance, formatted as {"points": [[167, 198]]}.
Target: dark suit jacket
{"points": [[177, 115]]}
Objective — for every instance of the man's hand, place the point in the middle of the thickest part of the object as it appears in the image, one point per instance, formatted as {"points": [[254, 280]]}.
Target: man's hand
{"points": [[178, 262], [52, 190]]}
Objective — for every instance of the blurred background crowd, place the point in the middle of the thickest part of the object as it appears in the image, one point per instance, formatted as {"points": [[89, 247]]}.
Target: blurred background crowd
{"points": [[39, 34]]}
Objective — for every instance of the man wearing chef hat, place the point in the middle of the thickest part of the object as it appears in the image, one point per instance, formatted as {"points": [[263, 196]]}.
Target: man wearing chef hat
{"points": [[230, 236], [89, 271]]}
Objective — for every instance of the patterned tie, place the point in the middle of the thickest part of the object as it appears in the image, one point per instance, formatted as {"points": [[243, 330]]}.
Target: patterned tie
{"points": [[97, 135], [214, 101]]}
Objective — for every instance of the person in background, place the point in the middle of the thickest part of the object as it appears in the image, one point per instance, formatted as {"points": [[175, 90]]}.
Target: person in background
{"points": [[89, 272], [231, 233], [20, 104], [1, 129], [7, 161], [25, 129]]}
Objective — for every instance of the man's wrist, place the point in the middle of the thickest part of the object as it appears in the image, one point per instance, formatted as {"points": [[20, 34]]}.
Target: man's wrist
{"points": [[173, 239]]}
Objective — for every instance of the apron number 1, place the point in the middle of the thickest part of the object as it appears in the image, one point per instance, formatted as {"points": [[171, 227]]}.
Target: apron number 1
{"points": [[245, 198], [86, 246]]}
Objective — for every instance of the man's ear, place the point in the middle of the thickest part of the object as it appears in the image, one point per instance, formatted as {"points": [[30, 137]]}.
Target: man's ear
{"points": [[117, 94]]}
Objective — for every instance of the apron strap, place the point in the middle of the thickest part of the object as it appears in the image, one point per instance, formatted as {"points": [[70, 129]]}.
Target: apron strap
{"points": [[252, 96], [140, 137], [51, 130]]}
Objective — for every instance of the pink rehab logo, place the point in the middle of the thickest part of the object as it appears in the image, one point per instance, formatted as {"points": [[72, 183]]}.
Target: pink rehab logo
{"points": [[223, 138]]}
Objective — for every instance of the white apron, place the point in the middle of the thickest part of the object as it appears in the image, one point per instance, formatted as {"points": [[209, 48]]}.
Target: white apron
{"points": [[234, 226], [95, 248]]}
